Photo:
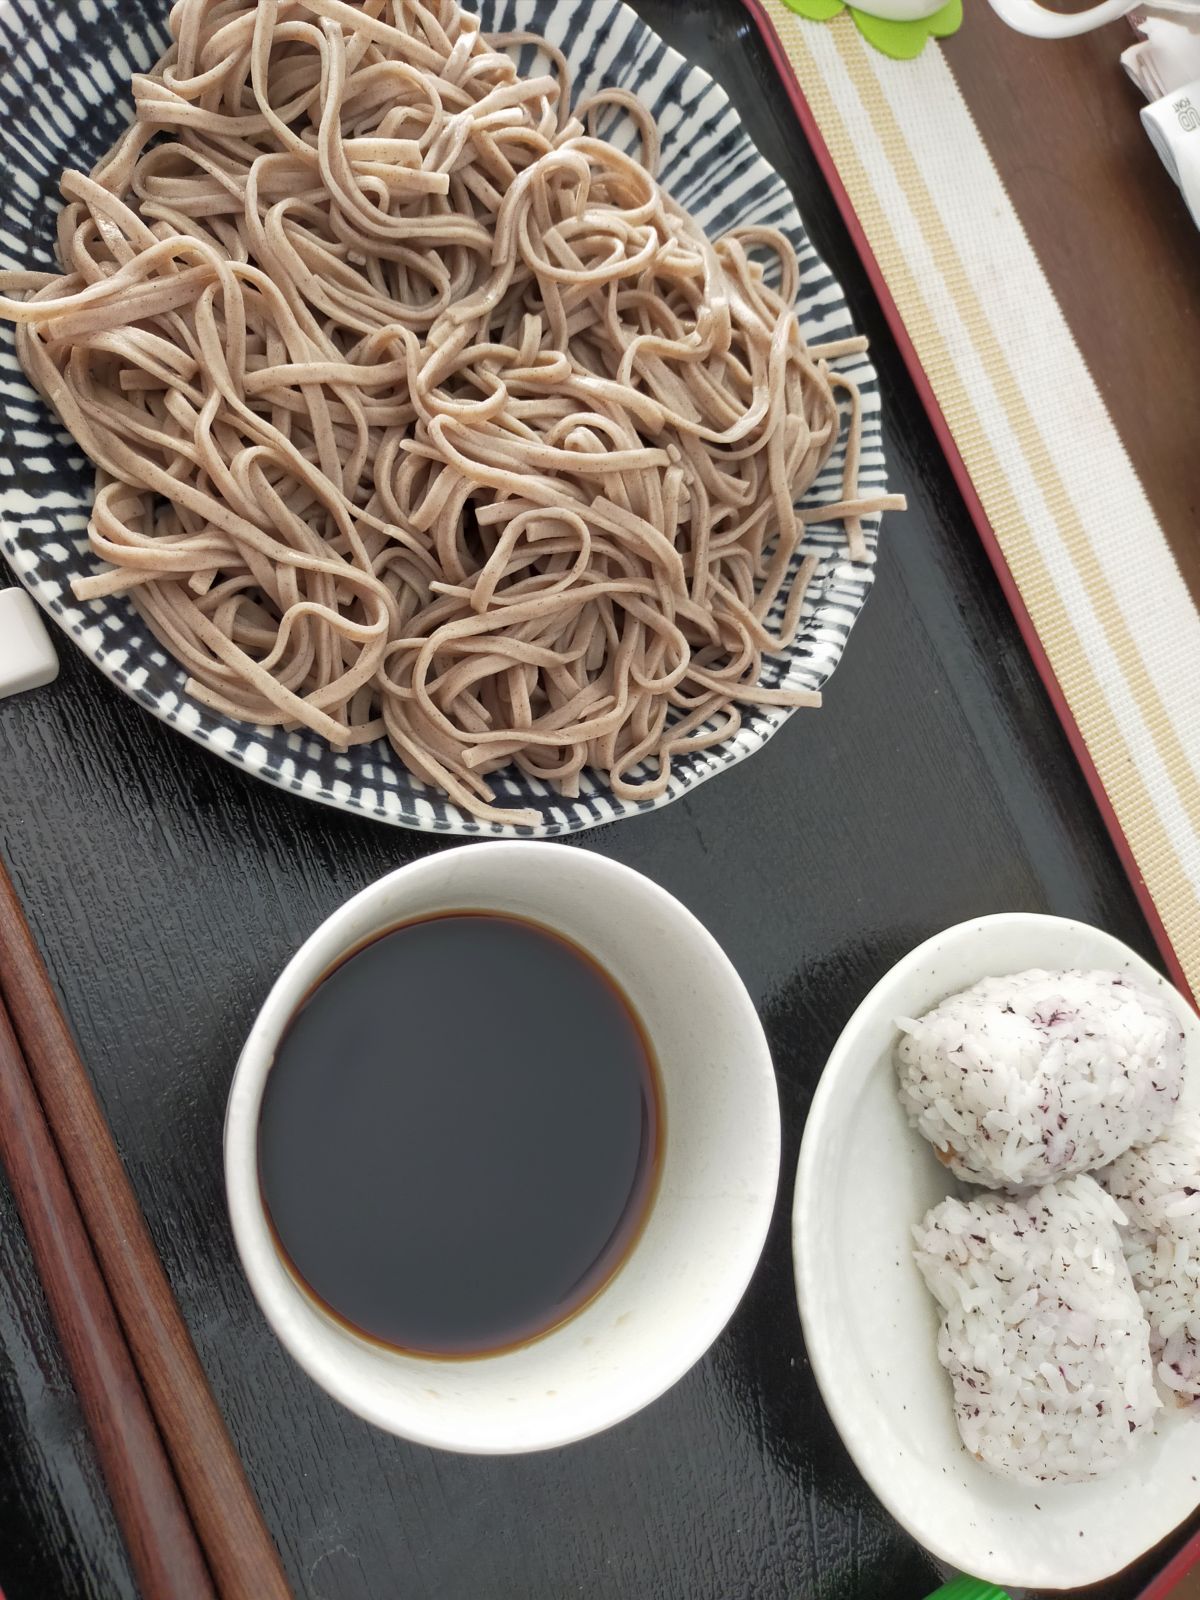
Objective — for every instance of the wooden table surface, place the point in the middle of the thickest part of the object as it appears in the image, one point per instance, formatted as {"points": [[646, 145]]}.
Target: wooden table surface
{"points": [[167, 890], [1115, 240]]}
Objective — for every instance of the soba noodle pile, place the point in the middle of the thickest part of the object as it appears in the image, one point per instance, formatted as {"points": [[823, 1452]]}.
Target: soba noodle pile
{"points": [[419, 411]]}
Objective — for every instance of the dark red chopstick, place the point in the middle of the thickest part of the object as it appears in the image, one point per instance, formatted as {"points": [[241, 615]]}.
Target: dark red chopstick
{"points": [[158, 1533], [240, 1554]]}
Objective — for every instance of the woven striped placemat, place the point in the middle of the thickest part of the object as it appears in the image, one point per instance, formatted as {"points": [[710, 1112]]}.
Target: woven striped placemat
{"points": [[1074, 538]]}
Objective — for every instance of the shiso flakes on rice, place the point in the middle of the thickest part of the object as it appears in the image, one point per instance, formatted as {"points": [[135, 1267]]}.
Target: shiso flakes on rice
{"points": [[1037, 1076], [1158, 1189], [1042, 1332]]}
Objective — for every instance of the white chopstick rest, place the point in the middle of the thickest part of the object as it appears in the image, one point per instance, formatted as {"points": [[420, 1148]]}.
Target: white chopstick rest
{"points": [[27, 658]]}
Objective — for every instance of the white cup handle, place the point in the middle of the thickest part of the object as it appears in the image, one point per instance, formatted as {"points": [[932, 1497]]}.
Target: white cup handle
{"points": [[1029, 16]]}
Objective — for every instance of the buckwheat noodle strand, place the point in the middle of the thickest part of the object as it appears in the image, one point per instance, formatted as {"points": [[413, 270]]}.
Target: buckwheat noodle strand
{"points": [[419, 411]]}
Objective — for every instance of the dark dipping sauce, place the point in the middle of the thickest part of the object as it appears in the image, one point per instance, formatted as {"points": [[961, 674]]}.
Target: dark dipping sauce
{"points": [[459, 1135]]}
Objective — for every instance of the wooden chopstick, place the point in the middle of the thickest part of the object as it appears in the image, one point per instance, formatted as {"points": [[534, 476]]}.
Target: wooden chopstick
{"points": [[244, 1562], [159, 1536]]}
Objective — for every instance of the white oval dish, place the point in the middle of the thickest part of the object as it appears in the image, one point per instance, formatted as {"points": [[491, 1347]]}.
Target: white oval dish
{"points": [[708, 1220], [870, 1324]]}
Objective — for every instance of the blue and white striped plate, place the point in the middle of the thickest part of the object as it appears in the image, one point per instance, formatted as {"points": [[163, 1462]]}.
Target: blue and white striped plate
{"points": [[63, 102]]}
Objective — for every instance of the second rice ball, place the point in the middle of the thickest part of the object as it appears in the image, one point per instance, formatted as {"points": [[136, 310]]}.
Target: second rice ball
{"points": [[1158, 1189]]}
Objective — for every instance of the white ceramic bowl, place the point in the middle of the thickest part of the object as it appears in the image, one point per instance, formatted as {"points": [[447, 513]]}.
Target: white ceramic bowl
{"points": [[871, 1326], [720, 1163]]}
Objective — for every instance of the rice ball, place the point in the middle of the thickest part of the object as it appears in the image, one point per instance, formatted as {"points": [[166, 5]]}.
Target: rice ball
{"points": [[1158, 1188], [1023, 1079], [1042, 1333]]}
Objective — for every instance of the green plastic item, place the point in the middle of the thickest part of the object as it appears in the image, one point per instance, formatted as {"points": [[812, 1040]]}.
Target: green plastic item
{"points": [[969, 1589], [900, 40]]}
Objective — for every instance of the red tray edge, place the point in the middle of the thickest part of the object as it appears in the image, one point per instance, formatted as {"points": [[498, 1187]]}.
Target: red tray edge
{"points": [[962, 478]]}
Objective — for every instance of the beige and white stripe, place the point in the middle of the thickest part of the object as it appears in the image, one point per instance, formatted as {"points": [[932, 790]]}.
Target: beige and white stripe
{"points": [[1071, 518]]}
